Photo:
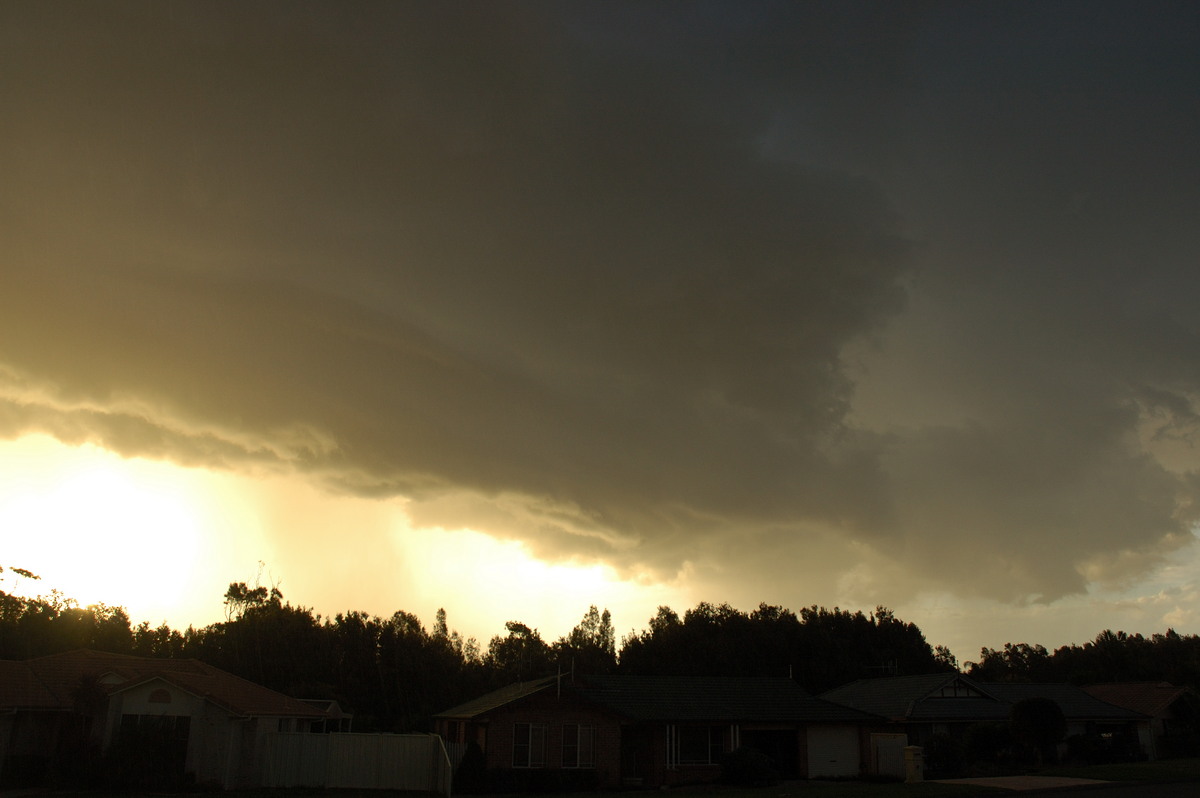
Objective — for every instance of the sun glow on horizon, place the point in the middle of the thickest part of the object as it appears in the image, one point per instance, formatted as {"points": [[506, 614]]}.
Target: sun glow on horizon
{"points": [[99, 528], [164, 541]]}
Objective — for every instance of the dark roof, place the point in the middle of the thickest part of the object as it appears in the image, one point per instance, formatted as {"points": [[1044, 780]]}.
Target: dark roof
{"points": [[1075, 703], [919, 698], [916, 698], [53, 681], [20, 688], [1149, 698], [669, 698], [497, 698]]}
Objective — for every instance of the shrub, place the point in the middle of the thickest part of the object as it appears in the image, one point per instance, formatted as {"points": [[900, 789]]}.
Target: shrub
{"points": [[987, 744], [1039, 724], [943, 756], [749, 767]]}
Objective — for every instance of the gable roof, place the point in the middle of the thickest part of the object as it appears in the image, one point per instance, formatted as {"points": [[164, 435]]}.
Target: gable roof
{"points": [[497, 698], [718, 699], [1148, 698], [53, 681], [919, 698]]}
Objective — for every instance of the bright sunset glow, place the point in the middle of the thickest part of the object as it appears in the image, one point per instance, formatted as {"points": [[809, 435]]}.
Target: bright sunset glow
{"points": [[99, 528], [163, 541]]}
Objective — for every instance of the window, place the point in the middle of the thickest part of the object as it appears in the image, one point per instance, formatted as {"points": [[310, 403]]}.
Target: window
{"points": [[579, 746], [529, 745], [695, 745], [159, 696]]}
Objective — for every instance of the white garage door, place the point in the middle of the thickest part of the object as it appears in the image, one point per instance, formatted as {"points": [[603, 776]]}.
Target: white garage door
{"points": [[832, 751]]}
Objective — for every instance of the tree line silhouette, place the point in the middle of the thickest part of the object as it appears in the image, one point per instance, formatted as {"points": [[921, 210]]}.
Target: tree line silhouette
{"points": [[394, 673]]}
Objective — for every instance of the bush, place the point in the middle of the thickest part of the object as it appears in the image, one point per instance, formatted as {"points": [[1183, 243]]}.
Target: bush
{"points": [[1039, 725], [987, 745], [943, 756], [471, 774], [749, 767], [1179, 744]]}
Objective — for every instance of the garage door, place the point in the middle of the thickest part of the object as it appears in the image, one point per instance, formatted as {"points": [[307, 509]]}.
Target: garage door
{"points": [[832, 751]]}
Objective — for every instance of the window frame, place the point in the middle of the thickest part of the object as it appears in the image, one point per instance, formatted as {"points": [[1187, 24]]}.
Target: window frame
{"points": [[529, 739], [686, 740], [574, 737]]}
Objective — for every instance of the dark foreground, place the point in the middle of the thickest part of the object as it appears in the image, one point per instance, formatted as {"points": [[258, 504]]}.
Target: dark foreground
{"points": [[1175, 778]]}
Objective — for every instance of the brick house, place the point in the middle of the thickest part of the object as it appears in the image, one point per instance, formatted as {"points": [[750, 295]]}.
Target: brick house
{"points": [[654, 731]]}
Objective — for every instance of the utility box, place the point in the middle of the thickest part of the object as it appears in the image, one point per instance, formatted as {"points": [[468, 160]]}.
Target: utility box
{"points": [[914, 764]]}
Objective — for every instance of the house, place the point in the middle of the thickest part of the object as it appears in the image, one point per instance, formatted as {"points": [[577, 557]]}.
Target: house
{"points": [[948, 703], [654, 731], [1174, 713], [167, 720]]}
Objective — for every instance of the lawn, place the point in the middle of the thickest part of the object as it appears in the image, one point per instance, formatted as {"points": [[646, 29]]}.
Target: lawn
{"points": [[1173, 770], [1166, 770]]}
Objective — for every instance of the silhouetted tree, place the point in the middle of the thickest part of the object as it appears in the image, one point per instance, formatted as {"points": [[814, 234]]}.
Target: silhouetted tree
{"points": [[1017, 662], [589, 648], [521, 655], [1039, 724], [821, 648]]}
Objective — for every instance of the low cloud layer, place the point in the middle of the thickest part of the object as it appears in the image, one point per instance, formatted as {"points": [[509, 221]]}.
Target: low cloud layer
{"points": [[885, 302]]}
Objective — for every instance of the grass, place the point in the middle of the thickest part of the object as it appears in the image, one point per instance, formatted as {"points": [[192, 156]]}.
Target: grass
{"points": [[806, 789], [1165, 770], [1172, 770]]}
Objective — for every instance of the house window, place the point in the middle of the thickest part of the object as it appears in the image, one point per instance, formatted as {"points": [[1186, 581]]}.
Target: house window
{"points": [[159, 696], [579, 746], [529, 745], [695, 745]]}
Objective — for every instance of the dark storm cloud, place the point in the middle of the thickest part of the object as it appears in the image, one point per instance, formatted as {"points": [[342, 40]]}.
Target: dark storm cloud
{"points": [[587, 275]]}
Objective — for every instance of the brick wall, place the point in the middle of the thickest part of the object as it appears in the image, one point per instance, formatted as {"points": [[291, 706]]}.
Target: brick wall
{"points": [[554, 711]]}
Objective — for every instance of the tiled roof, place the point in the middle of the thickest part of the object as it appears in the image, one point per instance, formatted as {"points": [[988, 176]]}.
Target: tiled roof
{"points": [[20, 688], [1148, 698], [1072, 700], [59, 677], [918, 698], [718, 699], [497, 698], [914, 698]]}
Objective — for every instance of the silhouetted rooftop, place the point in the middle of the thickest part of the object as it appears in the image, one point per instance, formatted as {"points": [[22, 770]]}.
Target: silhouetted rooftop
{"points": [[678, 698], [53, 681], [1148, 698]]}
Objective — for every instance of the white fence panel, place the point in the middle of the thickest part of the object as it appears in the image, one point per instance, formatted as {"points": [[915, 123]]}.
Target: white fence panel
{"points": [[357, 761], [295, 760]]}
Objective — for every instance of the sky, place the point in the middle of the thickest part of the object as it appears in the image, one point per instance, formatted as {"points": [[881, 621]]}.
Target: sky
{"points": [[514, 308]]}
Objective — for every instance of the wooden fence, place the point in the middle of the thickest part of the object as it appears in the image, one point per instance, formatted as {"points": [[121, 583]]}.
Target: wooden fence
{"points": [[417, 762]]}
